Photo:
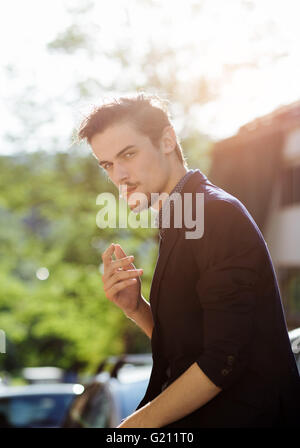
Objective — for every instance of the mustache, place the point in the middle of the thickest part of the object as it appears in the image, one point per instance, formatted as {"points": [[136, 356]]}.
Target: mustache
{"points": [[123, 188], [127, 185]]}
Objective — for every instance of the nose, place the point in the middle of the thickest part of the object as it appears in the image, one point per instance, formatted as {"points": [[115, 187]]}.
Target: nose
{"points": [[120, 174]]}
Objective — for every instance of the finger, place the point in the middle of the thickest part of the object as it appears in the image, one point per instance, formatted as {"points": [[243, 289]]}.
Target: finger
{"points": [[122, 275], [123, 263], [119, 253], [121, 285], [107, 255]]}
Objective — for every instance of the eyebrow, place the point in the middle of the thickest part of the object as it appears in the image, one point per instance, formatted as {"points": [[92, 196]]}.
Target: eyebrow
{"points": [[102, 162]]}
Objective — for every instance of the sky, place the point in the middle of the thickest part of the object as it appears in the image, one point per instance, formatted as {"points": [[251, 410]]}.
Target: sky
{"points": [[259, 39]]}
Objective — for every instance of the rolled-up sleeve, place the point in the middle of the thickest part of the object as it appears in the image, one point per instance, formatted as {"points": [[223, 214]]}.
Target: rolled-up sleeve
{"points": [[229, 258]]}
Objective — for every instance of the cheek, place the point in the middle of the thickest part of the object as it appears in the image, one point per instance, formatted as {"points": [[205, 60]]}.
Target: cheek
{"points": [[148, 170]]}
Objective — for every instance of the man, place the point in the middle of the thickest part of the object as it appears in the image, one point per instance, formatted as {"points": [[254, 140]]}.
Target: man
{"points": [[221, 352]]}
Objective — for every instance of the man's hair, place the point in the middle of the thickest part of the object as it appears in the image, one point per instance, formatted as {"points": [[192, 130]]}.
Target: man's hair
{"points": [[148, 113]]}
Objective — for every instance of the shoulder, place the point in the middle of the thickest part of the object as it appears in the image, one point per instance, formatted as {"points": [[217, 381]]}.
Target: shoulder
{"points": [[226, 221], [221, 207], [230, 237], [221, 215]]}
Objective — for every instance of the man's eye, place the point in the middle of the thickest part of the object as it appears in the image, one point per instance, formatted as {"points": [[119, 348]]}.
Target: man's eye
{"points": [[106, 166], [128, 154]]}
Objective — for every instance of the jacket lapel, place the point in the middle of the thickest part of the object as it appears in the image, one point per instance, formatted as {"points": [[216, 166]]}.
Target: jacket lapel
{"points": [[166, 246], [165, 249]]}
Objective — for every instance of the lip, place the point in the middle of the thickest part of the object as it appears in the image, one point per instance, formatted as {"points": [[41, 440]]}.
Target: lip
{"points": [[126, 192], [131, 189]]}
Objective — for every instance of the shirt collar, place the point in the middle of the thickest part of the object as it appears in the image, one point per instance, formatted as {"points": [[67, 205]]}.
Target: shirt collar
{"points": [[177, 189]]}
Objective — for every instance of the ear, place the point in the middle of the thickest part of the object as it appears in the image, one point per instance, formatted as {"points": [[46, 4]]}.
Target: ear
{"points": [[168, 140]]}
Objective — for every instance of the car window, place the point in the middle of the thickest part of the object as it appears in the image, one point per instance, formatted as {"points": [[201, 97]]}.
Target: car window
{"points": [[297, 356], [130, 395], [90, 410], [34, 410], [295, 342], [97, 413], [74, 416]]}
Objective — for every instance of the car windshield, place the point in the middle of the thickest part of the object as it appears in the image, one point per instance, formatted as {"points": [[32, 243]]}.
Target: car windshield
{"points": [[130, 395], [34, 410]]}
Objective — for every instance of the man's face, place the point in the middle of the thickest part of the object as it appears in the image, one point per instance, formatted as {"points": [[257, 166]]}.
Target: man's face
{"points": [[131, 160]]}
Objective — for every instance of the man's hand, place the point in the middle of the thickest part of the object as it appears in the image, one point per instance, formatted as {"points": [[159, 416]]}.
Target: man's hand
{"points": [[121, 281]]}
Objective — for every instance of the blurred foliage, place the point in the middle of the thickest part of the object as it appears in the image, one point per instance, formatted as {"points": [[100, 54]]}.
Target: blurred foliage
{"points": [[48, 219], [69, 41], [48, 213]]}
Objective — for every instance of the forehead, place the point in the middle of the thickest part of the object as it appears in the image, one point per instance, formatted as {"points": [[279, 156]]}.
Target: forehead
{"points": [[115, 138]]}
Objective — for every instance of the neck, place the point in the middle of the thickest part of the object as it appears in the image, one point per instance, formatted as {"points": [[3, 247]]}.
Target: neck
{"points": [[175, 177], [177, 172]]}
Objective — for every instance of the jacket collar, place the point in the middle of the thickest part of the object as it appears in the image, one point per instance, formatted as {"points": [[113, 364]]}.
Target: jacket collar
{"points": [[170, 239]]}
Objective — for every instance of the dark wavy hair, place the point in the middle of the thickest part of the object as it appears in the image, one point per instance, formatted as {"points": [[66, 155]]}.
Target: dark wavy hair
{"points": [[148, 113]]}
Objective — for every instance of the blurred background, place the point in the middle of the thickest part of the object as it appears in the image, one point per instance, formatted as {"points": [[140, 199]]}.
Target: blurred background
{"points": [[231, 73]]}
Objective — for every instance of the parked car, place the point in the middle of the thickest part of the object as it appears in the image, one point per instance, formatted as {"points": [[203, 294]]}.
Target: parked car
{"points": [[36, 405], [295, 342], [112, 395], [39, 375]]}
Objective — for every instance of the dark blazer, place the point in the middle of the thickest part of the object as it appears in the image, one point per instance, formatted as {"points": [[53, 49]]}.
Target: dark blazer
{"points": [[215, 301]]}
